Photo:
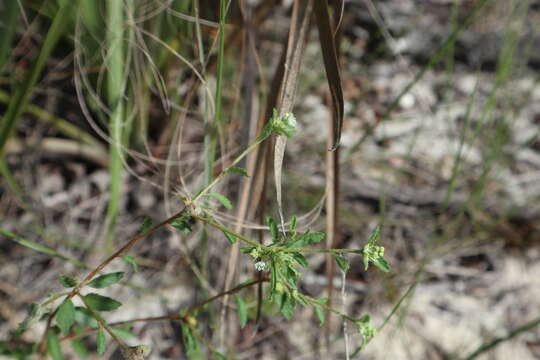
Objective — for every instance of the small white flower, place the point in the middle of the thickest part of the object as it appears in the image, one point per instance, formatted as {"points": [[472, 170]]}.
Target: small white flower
{"points": [[261, 266]]}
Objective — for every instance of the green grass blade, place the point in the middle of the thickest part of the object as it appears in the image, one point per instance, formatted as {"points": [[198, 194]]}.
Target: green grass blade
{"points": [[41, 248], [22, 95], [9, 19], [115, 92]]}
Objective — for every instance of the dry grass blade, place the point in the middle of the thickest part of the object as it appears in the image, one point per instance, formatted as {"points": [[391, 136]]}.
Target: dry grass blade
{"points": [[331, 65], [295, 48]]}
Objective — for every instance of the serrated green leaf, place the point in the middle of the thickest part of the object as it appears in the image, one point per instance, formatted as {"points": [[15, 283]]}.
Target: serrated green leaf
{"points": [[300, 259], [101, 342], [84, 318], [146, 224], [273, 228], [241, 309], [237, 170], [67, 281], [222, 199], [343, 263], [53, 345], [381, 264], [320, 314], [101, 303], [65, 316], [130, 260], [79, 348], [106, 280], [231, 238]]}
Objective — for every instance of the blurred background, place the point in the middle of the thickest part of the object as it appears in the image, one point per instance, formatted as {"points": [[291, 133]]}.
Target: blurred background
{"points": [[111, 111]]}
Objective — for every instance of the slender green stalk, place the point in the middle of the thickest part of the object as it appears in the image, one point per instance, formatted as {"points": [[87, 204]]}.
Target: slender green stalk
{"points": [[115, 92], [224, 172], [41, 248], [492, 344], [213, 130]]}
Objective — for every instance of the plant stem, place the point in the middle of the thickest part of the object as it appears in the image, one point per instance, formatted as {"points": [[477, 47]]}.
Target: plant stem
{"points": [[275, 248], [127, 246], [115, 91], [177, 316], [326, 307], [224, 172], [228, 231]]}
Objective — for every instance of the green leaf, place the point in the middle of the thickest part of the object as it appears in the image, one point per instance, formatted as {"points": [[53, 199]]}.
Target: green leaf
{"points": [[79, 348], [273, 228], [375, 235], [53, 345], [124, 333], [343, 263], [34, 314], [300, 259], [292, 228], [100, 341], [41, 248], [106, 280], [65, 316], [291, 274], [101, 303], [84, 318], [247, 249], [222, 200], [308, 239], [381, 264], [219, 355], [67, 281], [130, 260], [190, 341], [231, 238], [237, 170], [320, 314], [183, 224], [287, 306], [146, 224], [241, 309]]}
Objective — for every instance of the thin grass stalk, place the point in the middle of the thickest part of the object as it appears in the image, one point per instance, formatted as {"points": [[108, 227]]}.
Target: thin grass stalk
{"points": [[115, 91]]}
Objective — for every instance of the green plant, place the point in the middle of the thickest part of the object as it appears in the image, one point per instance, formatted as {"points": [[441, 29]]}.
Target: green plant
{"points": [[280, 263]]}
